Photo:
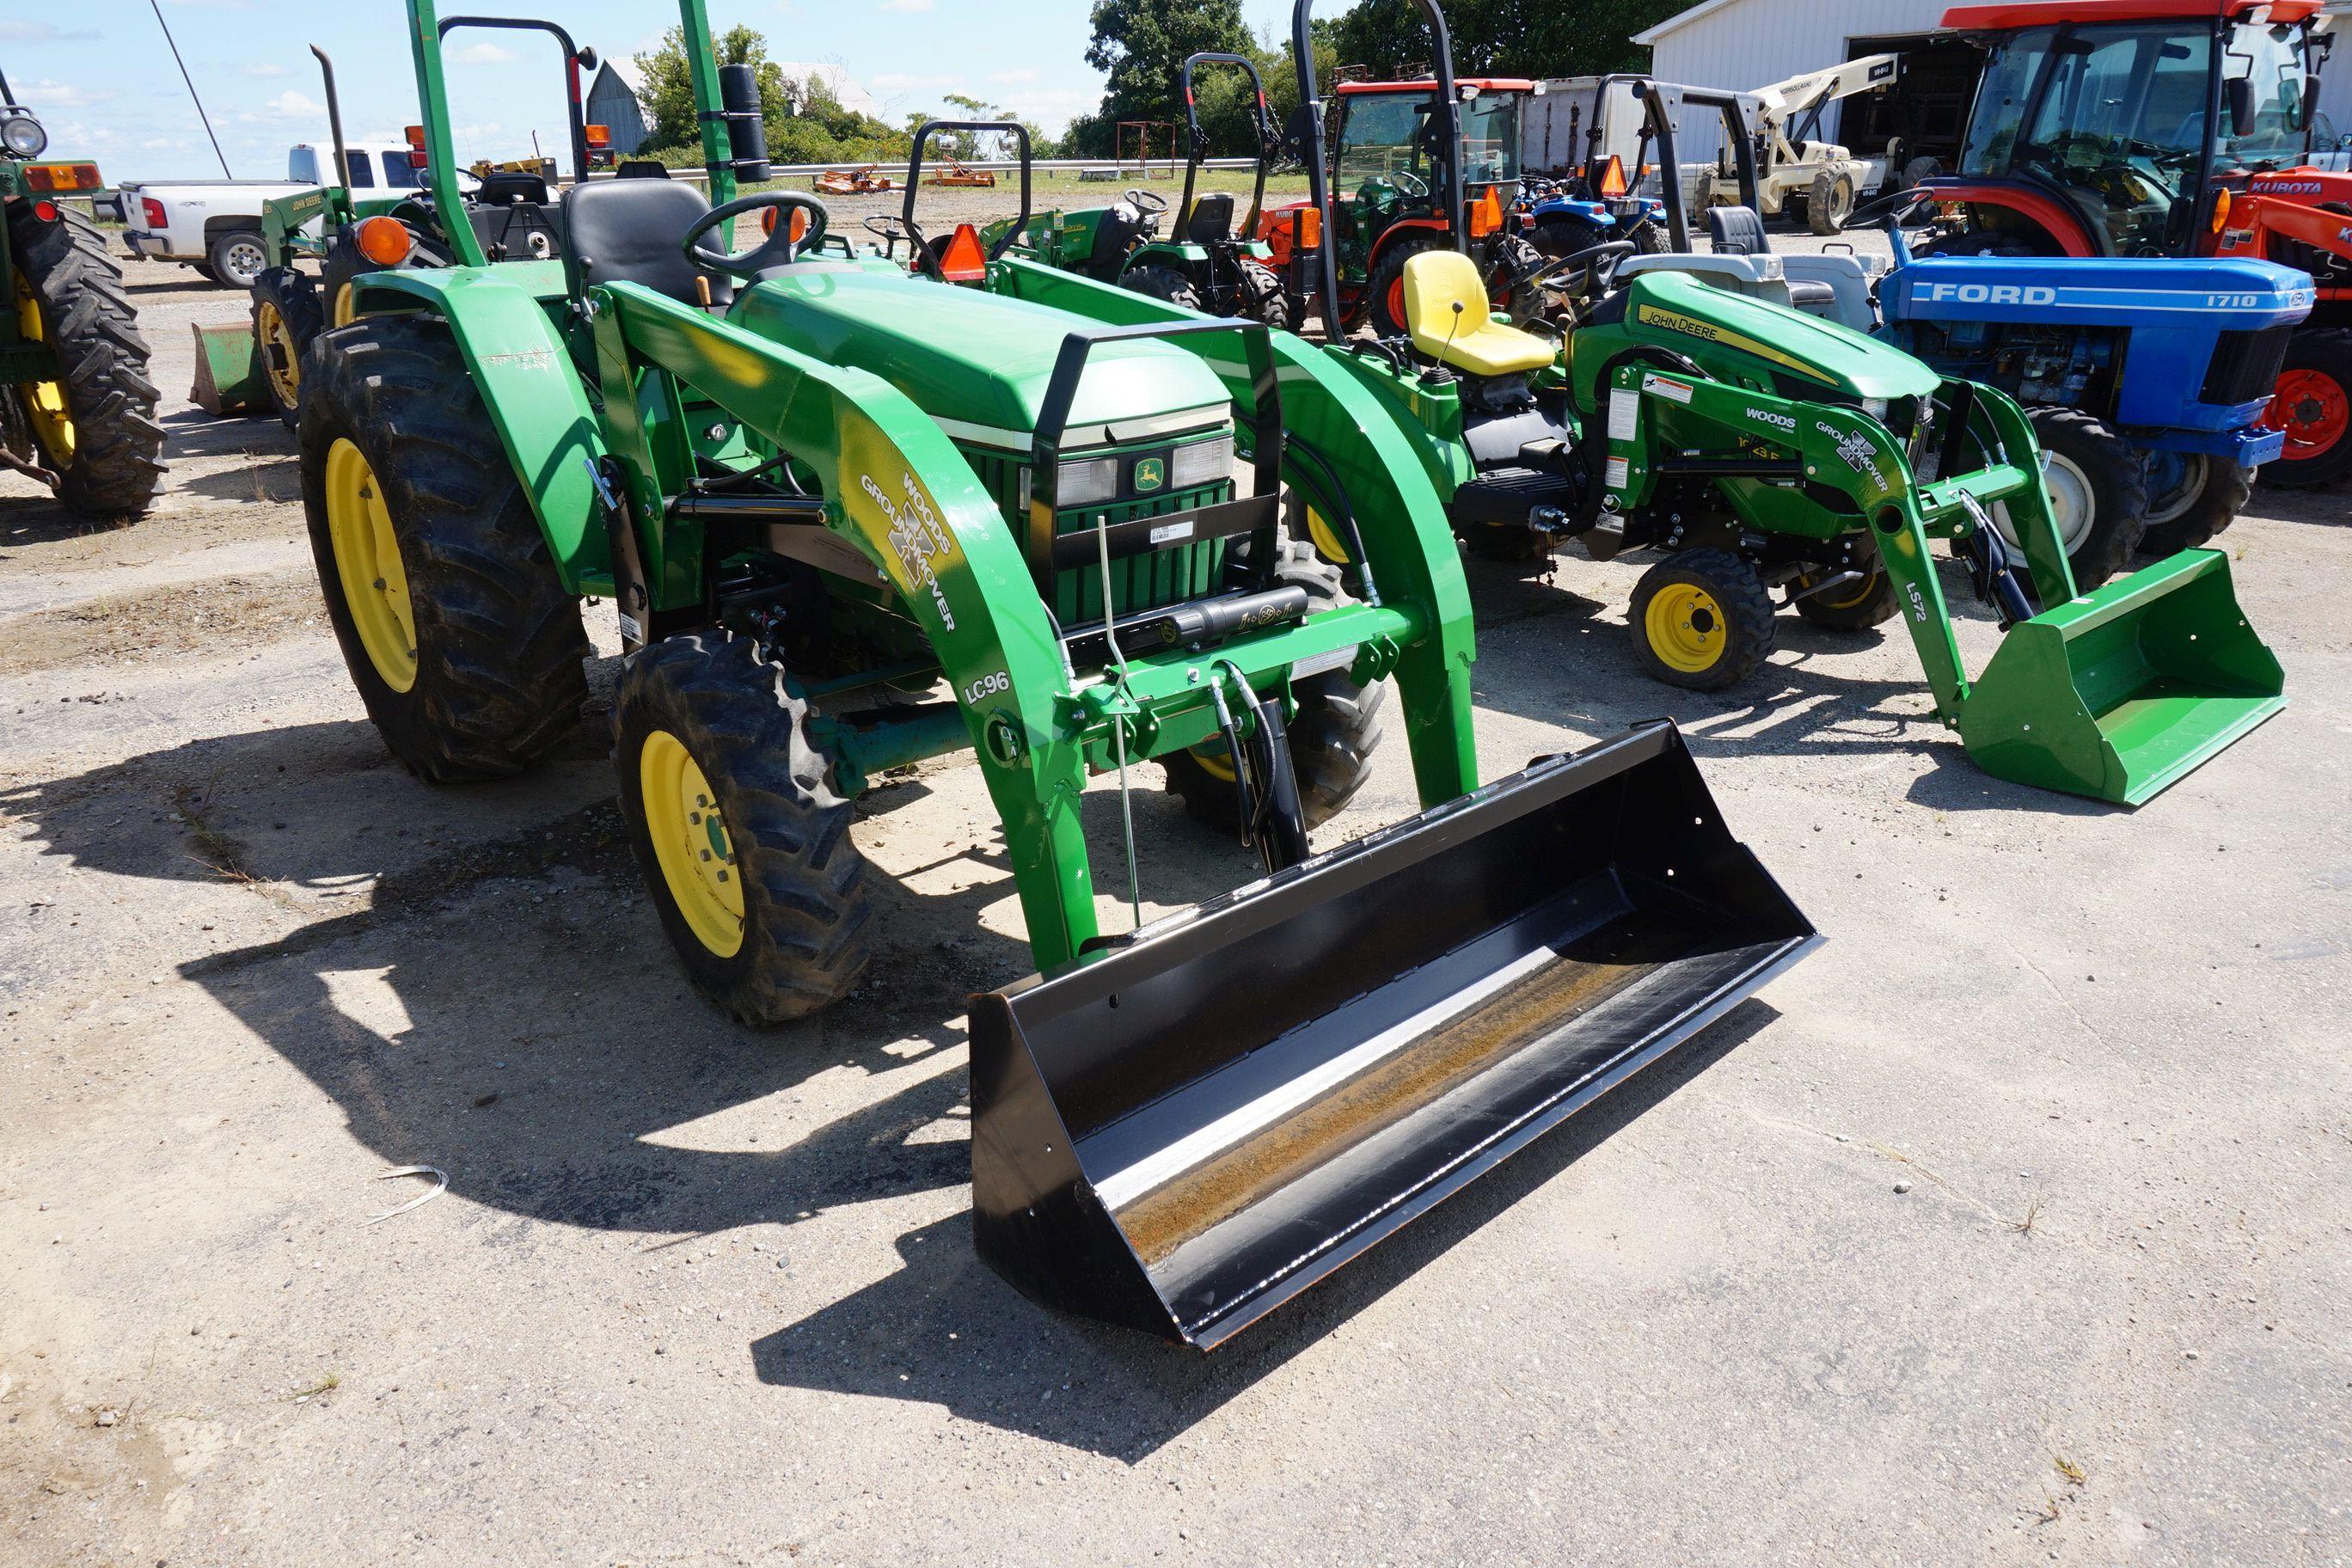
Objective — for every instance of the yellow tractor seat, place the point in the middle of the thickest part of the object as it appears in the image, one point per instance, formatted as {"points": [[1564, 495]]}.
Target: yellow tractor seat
{"points": [[1435, 281]]}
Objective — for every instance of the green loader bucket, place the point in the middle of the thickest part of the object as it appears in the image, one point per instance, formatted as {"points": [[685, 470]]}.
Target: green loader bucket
{"points": [[2122, 692], [1185, 1133]]}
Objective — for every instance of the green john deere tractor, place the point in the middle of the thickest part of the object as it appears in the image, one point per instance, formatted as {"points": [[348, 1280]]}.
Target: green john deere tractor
{"points": [[1210, 262], [853, 517], [77, 409], [1775, 459]]}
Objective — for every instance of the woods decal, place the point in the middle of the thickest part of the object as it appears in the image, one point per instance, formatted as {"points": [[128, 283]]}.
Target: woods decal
{"points": [[917, 539]]}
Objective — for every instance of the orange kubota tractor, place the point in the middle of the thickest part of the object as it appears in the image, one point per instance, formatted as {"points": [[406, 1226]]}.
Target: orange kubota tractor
{"points": [[2171, 128]]}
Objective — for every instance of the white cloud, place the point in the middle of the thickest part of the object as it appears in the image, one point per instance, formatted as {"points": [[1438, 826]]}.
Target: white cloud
{"points": [[904, 81], [483, 53], [15, 30], [293, 105], [263, 70], [47, 94], [905, 5], [1014, 78]]}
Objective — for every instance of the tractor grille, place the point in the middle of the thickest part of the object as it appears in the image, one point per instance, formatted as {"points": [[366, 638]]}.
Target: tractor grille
{"points": [[1149, 582], [2245, 365]]}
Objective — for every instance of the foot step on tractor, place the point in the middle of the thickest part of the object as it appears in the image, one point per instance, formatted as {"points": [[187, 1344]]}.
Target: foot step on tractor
{"points": [[77, 408], [1775, 459], [854, 517]]}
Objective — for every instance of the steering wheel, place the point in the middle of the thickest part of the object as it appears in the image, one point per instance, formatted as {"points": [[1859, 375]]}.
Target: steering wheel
{"points": [[889, 231], [1893, 208], [1587, 262], [1148, 202], [777, 250], [1411, 185]]}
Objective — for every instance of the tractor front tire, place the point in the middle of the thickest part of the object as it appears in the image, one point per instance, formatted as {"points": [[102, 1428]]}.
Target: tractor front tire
{"points": [[2207, 498], [343, 263], [95, 426], [1702, 620], [287, 315], [742, 837], [465, 646], [2097, 483], [1332, 737], [1163, 283], [1267, 303], [2314, 406]]}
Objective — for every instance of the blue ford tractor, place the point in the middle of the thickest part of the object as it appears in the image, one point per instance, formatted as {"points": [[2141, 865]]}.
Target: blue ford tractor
{"points": [[2146, 380]]}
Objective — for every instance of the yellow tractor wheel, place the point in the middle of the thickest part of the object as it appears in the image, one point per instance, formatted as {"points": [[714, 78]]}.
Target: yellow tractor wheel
{"points": [[1702, 620]]}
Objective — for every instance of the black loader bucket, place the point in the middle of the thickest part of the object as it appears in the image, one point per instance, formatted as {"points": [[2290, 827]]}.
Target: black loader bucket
{"points": [[1183, 1134]]}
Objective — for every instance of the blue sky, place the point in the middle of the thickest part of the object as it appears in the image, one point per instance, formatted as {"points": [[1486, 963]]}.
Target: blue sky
{"points": [[104, 83]]}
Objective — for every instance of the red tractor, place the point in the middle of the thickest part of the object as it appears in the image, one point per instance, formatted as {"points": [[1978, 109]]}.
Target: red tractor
{"points": [[1403, 175], [2171, 128]]}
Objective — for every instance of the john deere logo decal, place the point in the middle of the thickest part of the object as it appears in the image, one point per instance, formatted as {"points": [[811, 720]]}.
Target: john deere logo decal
{"points": [[1151, 473], [1676, 321]]}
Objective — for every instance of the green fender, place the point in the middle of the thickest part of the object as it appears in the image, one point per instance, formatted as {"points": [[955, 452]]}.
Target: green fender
{"points": [[1397, 508], [895, 487], [527, 382]]}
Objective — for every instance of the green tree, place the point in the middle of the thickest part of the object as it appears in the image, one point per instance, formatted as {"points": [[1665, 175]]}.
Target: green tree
{"points": [[1141, 45], [668, 96], [1503, 37]]}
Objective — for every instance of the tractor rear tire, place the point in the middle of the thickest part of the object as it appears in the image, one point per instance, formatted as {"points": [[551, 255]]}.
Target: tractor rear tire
{"points": [[1332, 737], [95, 426], [1163, 283], [409, 501], [721, 784], [1830, 203], [2211, 493], [2317, 375], [1267, 303], [1564, 234], [1512, 256], [287, 315], [2095, 468], [1702, 620], [342, 263], [1386, 289], [1854, 607]]}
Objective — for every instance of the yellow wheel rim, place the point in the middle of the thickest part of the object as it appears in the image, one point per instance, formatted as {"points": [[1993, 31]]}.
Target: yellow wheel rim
{"points": [[1215, 760], [1326, 542], [342, 313], [1869, 585], [689, 839], [276, 349], [1685, 628], [367, 560], [45, 401]]}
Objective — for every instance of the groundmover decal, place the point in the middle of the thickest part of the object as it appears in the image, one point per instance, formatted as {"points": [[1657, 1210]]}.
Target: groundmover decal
{"points": [[916, 538], [1691, 326]]}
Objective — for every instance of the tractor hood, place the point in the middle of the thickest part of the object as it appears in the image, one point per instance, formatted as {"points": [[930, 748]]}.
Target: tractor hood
{"points": [[976, 361], [1719, 329], [2226, 293]]}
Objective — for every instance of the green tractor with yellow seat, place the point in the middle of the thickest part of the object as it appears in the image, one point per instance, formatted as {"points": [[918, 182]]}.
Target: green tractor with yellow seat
{"points": [[1774, 459], [852, 517], [77, 408]]}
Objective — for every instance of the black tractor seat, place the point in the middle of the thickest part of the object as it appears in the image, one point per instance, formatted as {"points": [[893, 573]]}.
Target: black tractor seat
{"points": [[507, 187], [627, 231], [1740, 231], [1211, 221]]}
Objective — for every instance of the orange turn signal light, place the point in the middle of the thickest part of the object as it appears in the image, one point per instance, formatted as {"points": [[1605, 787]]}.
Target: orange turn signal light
{"points": [[2221, 219], [383, 240], [1486, 215], [963, 261], [799, 222], [1310, 229], [599, 135]]}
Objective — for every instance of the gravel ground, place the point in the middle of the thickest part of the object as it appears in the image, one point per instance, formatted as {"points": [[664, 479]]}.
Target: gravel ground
{"points": [[2012, 1226]]}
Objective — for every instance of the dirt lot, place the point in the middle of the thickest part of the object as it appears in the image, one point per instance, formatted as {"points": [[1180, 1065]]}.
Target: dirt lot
{"points": [[2012, 1226]]}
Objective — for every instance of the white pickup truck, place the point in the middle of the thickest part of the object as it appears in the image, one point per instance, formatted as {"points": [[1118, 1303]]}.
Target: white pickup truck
{"points": [[214, 225]]}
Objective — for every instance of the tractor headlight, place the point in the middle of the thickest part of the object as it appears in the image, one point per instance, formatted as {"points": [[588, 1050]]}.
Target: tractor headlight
{"points": [[22, 135], [1090, 482], [1201, 463]]}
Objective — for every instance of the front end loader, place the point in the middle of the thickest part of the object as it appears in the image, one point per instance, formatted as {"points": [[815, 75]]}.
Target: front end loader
{"points": [[77, 408], [852, 517], [1774, 459]]}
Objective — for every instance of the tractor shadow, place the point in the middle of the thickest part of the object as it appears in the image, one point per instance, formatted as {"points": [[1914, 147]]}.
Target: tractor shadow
{"points": [[1567, 658], [944, 1330], [192, 433], [506, 1009]]}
